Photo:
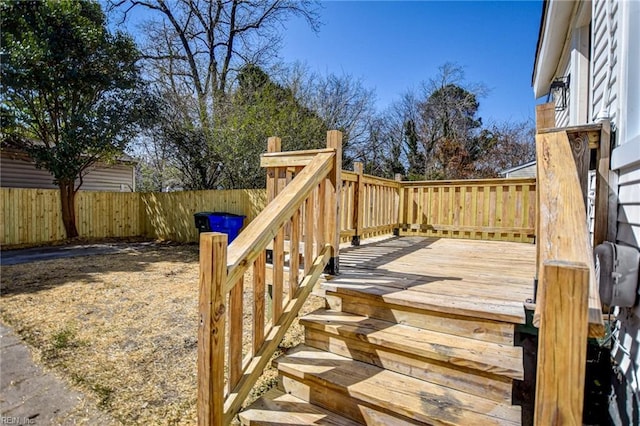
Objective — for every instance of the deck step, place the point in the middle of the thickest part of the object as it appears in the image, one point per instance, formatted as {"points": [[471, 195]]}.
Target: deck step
{"points": [[374, 306], [278, 408], [403, 295], [479, 368], [369, 394]]}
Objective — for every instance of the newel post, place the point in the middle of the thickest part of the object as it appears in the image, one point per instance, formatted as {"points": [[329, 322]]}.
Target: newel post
{"points": [[332, 223], [358, 203], [211, 334], [545, 119]]}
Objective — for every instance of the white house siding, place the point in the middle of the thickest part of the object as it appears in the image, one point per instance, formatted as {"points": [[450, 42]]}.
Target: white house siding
{"points": [[19, 173], [623, 107], [629, 207], [604, 59]]}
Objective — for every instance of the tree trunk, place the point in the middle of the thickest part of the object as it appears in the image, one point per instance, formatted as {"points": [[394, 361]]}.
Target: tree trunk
{"points": [[68, 199]]}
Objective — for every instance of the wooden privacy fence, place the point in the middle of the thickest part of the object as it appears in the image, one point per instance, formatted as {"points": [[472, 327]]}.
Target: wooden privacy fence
{"points": [[303, 213], [169, 215], [487, 209], [32, 216]]}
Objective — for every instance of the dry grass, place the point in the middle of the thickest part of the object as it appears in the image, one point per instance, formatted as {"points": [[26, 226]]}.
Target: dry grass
{"points": [[121, 328]]}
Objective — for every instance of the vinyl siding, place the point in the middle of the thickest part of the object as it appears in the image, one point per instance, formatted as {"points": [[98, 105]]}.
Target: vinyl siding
{"points": [[602, 44], [626, 163], [18, 173]]}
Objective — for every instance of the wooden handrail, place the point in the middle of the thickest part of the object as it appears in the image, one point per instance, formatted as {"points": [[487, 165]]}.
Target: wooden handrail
{"points": [[257, 235], [467, 182], [291, 158], [567, 294], [228, 367]]}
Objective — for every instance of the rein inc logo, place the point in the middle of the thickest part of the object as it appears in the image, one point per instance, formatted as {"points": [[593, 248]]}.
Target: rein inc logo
{"points": [[7, 420]]}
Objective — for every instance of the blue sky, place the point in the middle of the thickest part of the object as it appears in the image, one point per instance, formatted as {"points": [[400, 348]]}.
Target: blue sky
{"points": [[395, 45]]}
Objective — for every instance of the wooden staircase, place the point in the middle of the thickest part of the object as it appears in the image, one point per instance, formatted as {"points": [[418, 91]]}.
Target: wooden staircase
{"points": [[375, 360]]}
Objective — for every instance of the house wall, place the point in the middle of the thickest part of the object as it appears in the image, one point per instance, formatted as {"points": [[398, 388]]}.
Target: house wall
{"points": [[20, 173], [605, 67], [616, 95]]}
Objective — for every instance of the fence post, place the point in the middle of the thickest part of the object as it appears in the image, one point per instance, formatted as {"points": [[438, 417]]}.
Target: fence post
{"points": [[211, 334], [274, 144], [398, 178], [332, 223], [602, 208], [358, 203]]}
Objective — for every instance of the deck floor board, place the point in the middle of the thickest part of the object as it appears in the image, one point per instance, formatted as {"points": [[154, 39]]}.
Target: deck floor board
{"points": [[490, 278]]}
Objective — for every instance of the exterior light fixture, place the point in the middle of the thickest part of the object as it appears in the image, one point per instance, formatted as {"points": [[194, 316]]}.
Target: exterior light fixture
{"points": [[559, 88]]}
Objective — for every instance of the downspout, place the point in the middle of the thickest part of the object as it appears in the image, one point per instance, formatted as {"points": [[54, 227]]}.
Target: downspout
{"points": [[603, 114]]}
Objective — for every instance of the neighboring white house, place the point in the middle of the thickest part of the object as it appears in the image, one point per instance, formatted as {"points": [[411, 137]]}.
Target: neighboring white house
{"points": [[593, 47], [526, 170], [17, 170]]}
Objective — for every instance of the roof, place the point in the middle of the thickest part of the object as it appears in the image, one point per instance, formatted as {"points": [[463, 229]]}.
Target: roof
{"points": [[554, 26], [17, 153]]}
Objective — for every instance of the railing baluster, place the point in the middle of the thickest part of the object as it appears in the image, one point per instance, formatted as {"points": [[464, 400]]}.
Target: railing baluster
{"points": [[258, 301], [320, 215], [294, 253], [309, 208], [236, 297], [278, 274]]}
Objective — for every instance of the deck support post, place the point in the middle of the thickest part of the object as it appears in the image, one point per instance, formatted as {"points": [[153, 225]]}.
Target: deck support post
{"points": [[333, 196], [211, 330], [603, 192], [358, 203], [274, 144]]}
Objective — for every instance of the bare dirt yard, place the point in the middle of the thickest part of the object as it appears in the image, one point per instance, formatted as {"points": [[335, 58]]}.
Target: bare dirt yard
{"points": [[121, 328]]}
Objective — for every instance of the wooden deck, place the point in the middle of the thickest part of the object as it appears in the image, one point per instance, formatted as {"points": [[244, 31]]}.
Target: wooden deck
{"points": [[484, 279], [417, 331]]}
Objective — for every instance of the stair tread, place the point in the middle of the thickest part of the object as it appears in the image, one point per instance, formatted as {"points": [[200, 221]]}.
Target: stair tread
{"points": [[393, 392], [487, 308], [495, 358], [278, 408]]}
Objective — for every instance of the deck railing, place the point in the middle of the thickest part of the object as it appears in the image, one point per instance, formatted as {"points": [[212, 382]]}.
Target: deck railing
{"points": [[567, 297], [304, 211], [370, 205], [488, 209]]}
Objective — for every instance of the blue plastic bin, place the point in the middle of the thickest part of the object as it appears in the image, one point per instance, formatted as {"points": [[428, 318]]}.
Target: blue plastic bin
{"points": [[228, 223]]}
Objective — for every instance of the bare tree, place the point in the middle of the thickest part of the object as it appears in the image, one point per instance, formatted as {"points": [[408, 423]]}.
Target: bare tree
{"points": [[341, 101], [449, 125], [194, 50], [507, 145]]}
